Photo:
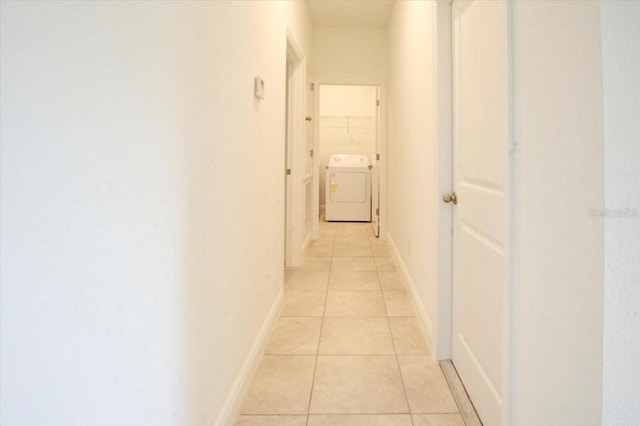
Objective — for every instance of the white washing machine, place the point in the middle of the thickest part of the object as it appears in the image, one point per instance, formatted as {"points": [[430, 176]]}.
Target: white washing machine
{"points": [[348, 188]]}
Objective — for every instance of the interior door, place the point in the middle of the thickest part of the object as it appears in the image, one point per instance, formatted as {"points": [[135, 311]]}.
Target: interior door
{"points": [[287, 169], [375, 171], [308, 180], [481, 136]]}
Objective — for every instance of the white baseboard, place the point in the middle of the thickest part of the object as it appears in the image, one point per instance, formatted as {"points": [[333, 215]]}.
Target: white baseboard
{"points": [[423, 316], [240, 387]]}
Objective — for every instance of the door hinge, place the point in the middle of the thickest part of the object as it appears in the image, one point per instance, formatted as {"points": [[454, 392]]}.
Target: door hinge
{"points": [[378, 157], [377, 102], [288, 172], [313, 87], [377, 212], [311, 153]]}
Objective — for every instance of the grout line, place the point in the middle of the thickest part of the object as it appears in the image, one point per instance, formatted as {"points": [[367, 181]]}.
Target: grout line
{"points": [[393, 342], [324, 309]]}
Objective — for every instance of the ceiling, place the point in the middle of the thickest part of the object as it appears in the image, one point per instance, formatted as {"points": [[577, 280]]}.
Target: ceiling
{"points": [[350, 13]]}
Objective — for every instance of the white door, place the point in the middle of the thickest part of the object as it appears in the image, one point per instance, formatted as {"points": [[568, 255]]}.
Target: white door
{"points": [[288, 237], [307, 153], [294, 160], [375, 171], [481, 136]]}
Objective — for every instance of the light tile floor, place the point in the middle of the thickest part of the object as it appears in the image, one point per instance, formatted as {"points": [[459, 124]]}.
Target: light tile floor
{"points": [[348, 349]]}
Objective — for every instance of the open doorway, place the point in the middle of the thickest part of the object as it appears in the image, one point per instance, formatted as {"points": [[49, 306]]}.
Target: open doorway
{"points": [[349, 125]]}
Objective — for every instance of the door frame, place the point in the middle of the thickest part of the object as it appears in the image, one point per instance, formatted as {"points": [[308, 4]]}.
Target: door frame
{"points": [[294, 140], [375, 172], [443, 175], [383, 143]]}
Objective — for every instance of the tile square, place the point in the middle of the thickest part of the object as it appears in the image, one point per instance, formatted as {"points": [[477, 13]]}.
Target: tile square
{"points": [[271, 420], [398, 304], [353, 264], [352, 241], [355, 304], [326, 232], [385, 264], [281, 385], [353, 233], [295, 336], [319, 250], [325, 240], [356, 336], [351, 225], [351, 250], [357, 384], [306, 280], [381, 250], [437, 420], [391, 280], [408, 337], [352, 230], [303, 303], [360, 420], [314, 264], [427, 389], [354, 280]]}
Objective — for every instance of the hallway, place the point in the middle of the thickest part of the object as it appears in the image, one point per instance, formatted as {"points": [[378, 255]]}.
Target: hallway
{"points": [[144, 180], [348, 348]]}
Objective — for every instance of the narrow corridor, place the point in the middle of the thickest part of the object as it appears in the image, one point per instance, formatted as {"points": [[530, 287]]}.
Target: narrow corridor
{"points": [[348, 348]]}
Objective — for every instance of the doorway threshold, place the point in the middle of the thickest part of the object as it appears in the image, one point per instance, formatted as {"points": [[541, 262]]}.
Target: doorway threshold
{"points": [[467, 411]]}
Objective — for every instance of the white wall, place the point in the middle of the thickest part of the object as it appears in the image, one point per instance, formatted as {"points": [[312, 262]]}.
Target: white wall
{"points": [[345, 55], [557, 243], [299, 27], [126, 296], [346, 101], [621, 84], [346, 124], [412, 150]]}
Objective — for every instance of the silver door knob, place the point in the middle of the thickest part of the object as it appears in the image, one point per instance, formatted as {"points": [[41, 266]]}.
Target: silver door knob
{"points": [[448, 198]]}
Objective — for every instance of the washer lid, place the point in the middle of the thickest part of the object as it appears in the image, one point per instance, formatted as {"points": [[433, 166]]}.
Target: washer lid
{"points": [[348, 160]]}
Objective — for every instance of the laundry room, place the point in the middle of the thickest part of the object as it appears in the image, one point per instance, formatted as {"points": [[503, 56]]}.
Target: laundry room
{"points": [[348, 131]]}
